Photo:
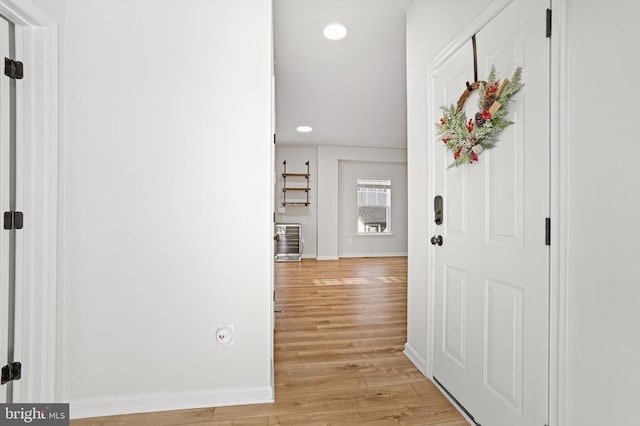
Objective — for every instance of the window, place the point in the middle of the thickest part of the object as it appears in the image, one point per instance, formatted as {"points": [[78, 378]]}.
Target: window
{"points": [[374, 205]]}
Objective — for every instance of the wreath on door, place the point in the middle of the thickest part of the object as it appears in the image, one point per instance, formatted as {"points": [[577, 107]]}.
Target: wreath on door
{"points": [[466, 139]]}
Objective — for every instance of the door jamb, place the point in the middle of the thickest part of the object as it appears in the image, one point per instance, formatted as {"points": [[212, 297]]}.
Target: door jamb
{"points": [[37, 297], [559, 204], [559, 98]]}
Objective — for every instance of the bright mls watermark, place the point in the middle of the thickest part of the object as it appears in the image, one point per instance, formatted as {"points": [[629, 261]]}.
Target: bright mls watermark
{"points": [[34, 414]]}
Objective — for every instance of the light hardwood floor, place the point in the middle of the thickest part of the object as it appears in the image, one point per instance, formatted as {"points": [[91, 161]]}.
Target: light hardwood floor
{"points": [[340, 331]]}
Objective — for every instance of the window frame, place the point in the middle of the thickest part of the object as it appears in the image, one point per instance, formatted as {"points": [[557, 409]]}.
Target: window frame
{"points": [[360, 184]]}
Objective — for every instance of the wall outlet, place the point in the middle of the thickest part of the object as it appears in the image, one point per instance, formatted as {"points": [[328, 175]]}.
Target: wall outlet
{"points": [[224, 335], [349, 241]]}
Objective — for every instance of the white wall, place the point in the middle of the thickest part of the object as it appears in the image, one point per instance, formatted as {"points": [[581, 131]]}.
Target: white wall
{"points": [[54, 9], [431, 25], [353, 244], [164, 169], [604, 201], [296, 158], [329, 184]]}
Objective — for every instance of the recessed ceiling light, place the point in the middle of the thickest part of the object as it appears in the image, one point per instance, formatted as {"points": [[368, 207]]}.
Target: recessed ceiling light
{"points": [[304, 129], [335, 31]]}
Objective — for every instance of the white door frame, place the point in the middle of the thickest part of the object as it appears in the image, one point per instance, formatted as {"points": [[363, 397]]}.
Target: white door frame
{"points": [[558, 309], [36, 278]]}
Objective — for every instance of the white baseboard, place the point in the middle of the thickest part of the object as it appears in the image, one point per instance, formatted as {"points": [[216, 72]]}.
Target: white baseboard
{"points": [[130, 404], [308, 255], [402, 254], [326, 258], [415, 358]]}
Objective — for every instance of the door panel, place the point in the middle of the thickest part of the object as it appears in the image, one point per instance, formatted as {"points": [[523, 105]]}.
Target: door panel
{"points": [[503, 349], [456, 183], [454, 325], [491, 273], [504, 179], [456, 205]]}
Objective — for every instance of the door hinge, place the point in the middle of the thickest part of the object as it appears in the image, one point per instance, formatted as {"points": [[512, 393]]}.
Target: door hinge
{"points": [[11, 372], [547, 231], [13, 220], [13, 69], [548, 22]]}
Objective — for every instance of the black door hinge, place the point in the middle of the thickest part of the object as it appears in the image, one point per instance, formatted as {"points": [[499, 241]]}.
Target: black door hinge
{"points": [[13, 220], [547, 231], [548, 22], [11, 372], [13, 69]]}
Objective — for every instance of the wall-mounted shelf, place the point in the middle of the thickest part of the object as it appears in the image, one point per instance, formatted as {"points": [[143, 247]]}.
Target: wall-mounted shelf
{"points": [[285, 188]]}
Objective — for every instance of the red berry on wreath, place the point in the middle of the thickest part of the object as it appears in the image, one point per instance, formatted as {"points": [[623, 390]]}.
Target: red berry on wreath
{"points": [[456, 154]]}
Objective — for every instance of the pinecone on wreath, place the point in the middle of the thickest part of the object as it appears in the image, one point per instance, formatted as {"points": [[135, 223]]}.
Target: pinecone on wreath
{"points": [[479, 120], [489, 100]]}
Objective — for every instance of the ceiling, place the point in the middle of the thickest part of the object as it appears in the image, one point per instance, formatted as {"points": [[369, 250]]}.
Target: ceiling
{"points": [[352, 91]]}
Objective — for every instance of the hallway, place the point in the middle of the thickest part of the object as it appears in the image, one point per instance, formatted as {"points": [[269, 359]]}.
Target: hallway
{"points": [[340, 332]]}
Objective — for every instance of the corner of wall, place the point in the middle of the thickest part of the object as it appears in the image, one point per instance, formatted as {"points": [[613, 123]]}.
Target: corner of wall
{"points": [[415, 358]]}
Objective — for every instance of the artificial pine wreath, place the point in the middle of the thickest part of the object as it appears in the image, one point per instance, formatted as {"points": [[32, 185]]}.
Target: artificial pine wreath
{"points": [[466, 139]]}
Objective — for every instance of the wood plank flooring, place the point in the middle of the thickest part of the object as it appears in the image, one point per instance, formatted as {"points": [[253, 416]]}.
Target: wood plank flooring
{"points": [[340, 331]]}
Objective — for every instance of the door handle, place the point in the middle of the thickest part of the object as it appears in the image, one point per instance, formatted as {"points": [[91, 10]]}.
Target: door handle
{"points": [[436, 240], [437, 209]]}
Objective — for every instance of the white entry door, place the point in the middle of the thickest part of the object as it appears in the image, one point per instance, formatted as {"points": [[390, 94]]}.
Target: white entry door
{"points": [[491, 273]]}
